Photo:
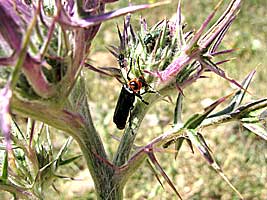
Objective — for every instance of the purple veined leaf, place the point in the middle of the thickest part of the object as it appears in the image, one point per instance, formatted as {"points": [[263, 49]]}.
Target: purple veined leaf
{"points": [[69, 7], [5, 61], [5, 117], [153, 160], [94, 20], [194, 47], [24, 9], [22, 60], [14, 19], [11, 27], [32, 68]]}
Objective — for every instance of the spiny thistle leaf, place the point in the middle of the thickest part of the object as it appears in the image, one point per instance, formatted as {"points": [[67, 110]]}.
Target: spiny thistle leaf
{"points": [[194, 121], [198, 141], [237, 98], [154, 172], [103, 70], [207, 63], [189, 142], [250, 109], [178, 145], [255, 120], [201, 146], [200, 31], [69, 160], [257, 128], [216, 33], [62, 151], [153, 159], [203, 141], [17, 191], [197, 46], [181, 39]]}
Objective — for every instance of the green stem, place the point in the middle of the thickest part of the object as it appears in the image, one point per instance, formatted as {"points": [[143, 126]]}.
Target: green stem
{"points": [[23, 52]]}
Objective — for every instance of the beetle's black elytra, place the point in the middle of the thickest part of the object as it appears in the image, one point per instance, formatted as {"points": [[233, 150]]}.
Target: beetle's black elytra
{"points": [[126, 100], [123, 107]]}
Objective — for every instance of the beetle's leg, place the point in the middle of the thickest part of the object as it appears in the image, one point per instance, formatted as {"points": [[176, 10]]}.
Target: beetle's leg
{"points": [[141, 98], [149, 91]]}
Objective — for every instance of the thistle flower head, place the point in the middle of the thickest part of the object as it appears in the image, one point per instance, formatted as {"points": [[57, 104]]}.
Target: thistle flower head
{"points": [[168, 53]]}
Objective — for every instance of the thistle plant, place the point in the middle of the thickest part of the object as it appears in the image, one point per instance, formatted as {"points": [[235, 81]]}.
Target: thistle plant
{"points": [[46, 47]]}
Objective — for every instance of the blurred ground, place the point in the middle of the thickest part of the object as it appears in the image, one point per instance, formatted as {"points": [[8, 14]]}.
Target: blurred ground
{"points": [[242, 156]]}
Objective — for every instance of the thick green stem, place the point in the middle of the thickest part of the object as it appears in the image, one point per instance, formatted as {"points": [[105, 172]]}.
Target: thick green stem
{"points": [[130, 133]]}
